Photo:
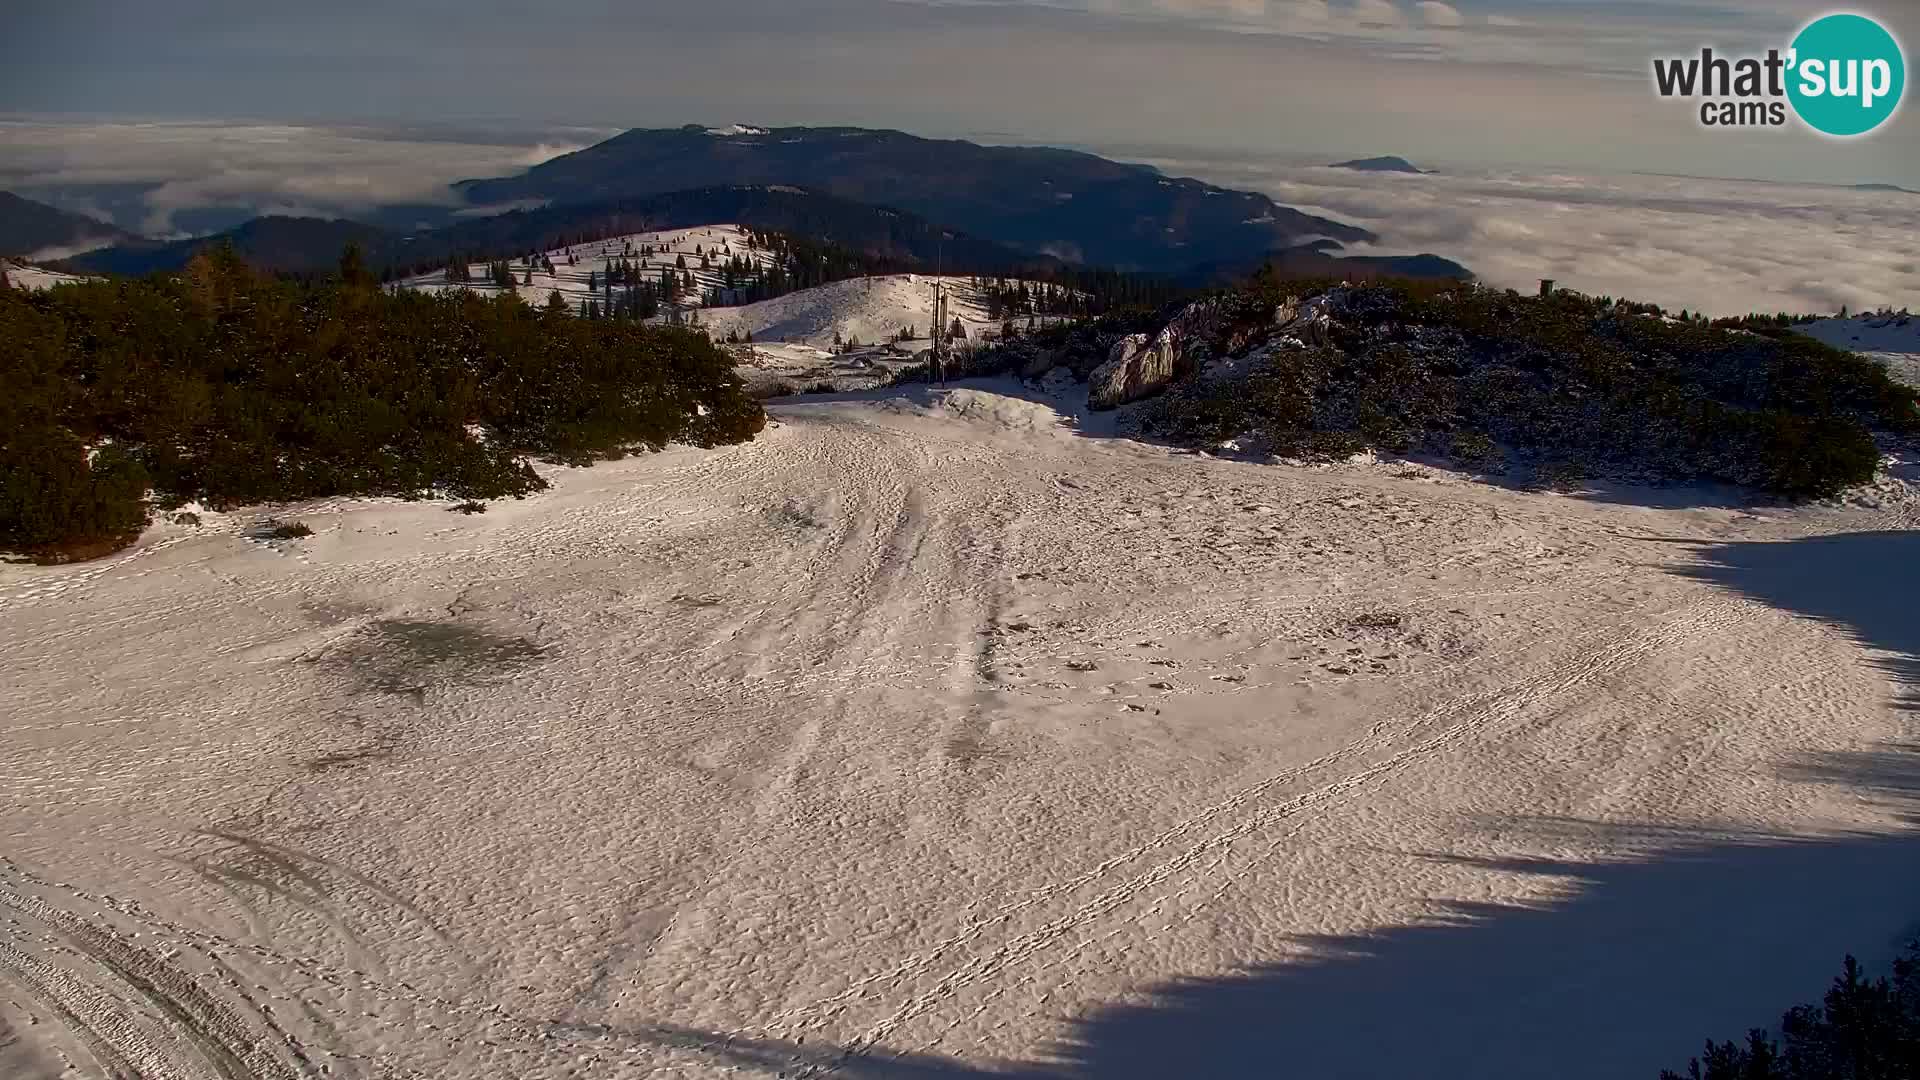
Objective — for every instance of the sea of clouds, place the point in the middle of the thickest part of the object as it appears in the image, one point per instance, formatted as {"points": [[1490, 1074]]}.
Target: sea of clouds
{"points": [[1723, 246], [145, 176]]}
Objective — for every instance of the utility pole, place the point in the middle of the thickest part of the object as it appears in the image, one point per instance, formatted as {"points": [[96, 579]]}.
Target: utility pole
{"points": [[939, 311]]}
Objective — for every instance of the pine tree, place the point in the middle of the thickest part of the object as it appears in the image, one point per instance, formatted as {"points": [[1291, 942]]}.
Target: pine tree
{"points": [[353, 267]]}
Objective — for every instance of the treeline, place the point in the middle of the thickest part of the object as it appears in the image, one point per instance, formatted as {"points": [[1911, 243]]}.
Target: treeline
{"points": [[225, 386], [1865, 1029], [1076, 294]]}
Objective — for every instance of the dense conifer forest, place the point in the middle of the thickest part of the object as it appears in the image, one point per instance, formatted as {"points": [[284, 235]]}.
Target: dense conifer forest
{"points": [[224, 386]]}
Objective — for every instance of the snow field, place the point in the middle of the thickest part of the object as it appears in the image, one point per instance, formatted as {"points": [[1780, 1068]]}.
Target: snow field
{"points": [[931, 734]]}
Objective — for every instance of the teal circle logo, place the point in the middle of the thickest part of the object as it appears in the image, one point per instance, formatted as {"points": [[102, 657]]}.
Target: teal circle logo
{"points": [[1848, 75]]}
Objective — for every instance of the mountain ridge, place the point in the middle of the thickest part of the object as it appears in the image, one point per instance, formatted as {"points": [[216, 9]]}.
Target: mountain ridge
{"points": [[1073, 205], [305, 245], [28, 227]]}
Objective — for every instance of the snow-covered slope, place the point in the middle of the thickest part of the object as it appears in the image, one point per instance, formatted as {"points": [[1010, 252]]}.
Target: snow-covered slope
{"points": [[1893, 338], [928, 736], [589, 261], [873, 310], [1884, 333], [24, 276]]}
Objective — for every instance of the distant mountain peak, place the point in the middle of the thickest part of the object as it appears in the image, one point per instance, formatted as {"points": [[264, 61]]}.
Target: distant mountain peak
{"points": [[1380, 164], [1034, 199]]}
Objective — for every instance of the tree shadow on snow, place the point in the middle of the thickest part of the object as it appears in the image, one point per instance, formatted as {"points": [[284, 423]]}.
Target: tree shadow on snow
{"points": [[1865, 584], [1076, 418], [1628, 972], [1629, 966]]}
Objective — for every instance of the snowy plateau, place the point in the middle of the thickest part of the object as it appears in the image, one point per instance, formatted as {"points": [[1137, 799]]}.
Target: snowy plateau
{"points": [[942, 733]]}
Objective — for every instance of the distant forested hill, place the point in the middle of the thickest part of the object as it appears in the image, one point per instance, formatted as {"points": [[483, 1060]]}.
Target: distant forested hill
{"points": [[1041, 200]]}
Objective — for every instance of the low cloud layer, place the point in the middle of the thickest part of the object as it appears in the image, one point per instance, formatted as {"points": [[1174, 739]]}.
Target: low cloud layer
{"points": [[1726, 247], [143, 176], [1723, 246]]}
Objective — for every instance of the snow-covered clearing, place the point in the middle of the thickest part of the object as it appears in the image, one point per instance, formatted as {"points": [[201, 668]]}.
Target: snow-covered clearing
{"points": [[932, 736]]}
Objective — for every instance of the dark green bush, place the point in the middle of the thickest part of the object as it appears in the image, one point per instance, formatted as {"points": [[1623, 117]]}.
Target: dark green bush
{"points": [[222, 386], [1567, 380], [54, 501], [1865, 1029]]}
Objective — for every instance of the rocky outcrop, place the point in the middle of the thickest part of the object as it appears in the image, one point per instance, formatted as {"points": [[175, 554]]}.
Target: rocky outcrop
{"points": [[1139, 366], [1309, 322]]}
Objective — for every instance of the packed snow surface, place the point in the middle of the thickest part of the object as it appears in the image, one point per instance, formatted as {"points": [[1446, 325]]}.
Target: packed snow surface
{"points": [[939, 735]]}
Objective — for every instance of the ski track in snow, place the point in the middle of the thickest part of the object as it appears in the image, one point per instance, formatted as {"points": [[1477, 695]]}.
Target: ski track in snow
{"points": [[920, 725]]}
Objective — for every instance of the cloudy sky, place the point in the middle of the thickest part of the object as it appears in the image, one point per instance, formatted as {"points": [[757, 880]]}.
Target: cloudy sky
{"points": [[186, 115], [1559, 83]]}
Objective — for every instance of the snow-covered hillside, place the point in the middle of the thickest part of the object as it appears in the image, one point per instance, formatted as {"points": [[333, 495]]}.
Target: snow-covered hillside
{"points": [[795, 337], [578, 266], [1892, 332], [870, 310], [873, 309], [1893, 338]]}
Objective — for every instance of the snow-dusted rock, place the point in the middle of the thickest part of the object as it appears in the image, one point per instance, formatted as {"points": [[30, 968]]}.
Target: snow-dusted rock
{"points": [[1308, 322], [1138, 367]]}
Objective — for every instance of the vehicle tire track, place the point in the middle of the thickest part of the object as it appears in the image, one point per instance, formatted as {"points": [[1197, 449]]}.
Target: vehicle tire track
{"points": [[1480, 712]]}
